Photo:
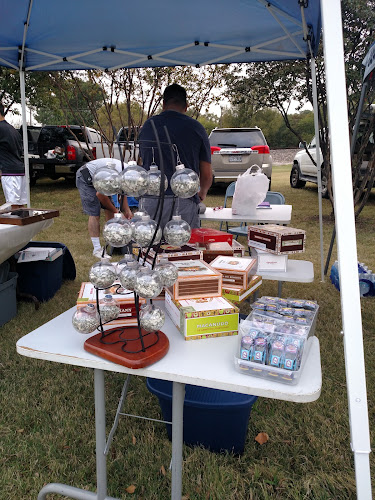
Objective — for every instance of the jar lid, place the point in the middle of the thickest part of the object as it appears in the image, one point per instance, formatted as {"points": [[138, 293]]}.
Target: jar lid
{"points": [[176, 217], [181, 166], [154, 168]]}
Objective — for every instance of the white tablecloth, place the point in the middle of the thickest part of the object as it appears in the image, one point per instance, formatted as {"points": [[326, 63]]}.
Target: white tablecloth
{"points": [[13, 237]]}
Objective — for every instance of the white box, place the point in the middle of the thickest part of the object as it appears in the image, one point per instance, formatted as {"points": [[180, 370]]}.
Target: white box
{"points": [[269, 261]]}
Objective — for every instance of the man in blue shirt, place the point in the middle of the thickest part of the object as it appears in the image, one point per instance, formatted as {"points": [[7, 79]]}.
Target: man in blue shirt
{"points": [[190, 147]]}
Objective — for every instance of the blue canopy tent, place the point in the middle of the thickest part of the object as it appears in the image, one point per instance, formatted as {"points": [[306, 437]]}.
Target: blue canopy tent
{"points": [[123, 34]]}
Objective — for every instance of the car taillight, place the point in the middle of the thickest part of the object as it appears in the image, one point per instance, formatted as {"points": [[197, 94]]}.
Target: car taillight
{"points": [[71, 153], [93, 151], [262, 150], [214, 148]]}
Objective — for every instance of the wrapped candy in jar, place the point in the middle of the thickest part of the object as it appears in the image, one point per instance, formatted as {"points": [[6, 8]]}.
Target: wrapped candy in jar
{"points": [[102, 274], [144, 231], [109, 309], [86, 319], [136, 218], [128, 274], [177, 232], [107, 180], [134, 180], [147, 283], [151, 318], [185, 182], [154, 181], [167, 272], [124, 262], [117, 232]]}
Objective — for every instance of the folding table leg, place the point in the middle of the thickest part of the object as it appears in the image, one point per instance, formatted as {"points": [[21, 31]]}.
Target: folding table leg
{"points": [[178, 397]]}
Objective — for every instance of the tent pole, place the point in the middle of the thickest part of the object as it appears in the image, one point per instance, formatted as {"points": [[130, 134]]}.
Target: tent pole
{"points": [[318, 161], [346, 244], [24, 135]]}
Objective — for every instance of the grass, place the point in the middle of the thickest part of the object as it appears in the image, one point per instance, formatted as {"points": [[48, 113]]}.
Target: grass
{"points": [[47, 412]]}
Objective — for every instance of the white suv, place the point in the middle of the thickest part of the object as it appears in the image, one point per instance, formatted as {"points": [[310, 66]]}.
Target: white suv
{"points": [[234, 150]]}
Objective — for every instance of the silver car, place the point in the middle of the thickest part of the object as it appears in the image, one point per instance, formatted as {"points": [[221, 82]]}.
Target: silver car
{"points": [[234, 150]]}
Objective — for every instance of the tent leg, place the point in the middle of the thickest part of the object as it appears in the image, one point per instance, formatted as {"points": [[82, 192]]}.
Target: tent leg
{"points": [[24, 135], [346, 243]]}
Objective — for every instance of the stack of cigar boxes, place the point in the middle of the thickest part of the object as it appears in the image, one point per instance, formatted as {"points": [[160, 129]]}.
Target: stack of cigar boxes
{"points": [[271, 244]]}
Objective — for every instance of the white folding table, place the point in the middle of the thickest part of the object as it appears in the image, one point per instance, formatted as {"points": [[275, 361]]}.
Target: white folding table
{"points": [[207, 363], [14, 237], [298, 271], [277, 214]]}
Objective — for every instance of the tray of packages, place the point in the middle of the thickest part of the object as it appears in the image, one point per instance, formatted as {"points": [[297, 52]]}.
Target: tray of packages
{"points": [[274, 340]]}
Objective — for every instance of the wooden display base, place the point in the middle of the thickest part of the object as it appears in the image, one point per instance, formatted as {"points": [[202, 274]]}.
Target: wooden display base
{"points": [[113, 352]]}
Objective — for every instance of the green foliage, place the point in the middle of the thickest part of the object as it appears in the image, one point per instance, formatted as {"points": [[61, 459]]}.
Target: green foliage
{"points": [[209, 121]]}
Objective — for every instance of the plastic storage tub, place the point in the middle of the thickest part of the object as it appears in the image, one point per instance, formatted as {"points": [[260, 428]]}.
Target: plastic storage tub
{"points": [[41, 278], [8, 300], [215, 419]]}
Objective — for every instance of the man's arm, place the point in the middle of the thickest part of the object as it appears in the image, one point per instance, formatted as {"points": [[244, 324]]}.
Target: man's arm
{"points": [[107, 203], [125, 208], [205, 178]]}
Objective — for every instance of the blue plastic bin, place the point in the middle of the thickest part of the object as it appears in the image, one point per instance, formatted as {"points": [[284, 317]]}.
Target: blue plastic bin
{"points": [[215, 419], [41, 278], [8, 298]]}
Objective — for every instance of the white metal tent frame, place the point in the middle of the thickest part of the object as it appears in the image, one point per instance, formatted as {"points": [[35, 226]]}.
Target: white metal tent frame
{"points": [[340, 158]]}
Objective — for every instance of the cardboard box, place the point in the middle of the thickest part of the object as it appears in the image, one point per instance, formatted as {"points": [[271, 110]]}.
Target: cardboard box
{"points": [[269, 261], [173, 253], [203, 318], [208, 235], [235, 270], [277, 239], [196, 279], [32, 254], [237, 294], [124, 298]]}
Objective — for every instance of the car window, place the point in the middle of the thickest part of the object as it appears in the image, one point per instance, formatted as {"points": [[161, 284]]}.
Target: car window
{"points": [[236, 138], [60, 134]]}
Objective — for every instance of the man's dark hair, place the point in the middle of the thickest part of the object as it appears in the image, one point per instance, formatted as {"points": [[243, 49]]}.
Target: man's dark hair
{"points": [[2, 111], [175, 94]]}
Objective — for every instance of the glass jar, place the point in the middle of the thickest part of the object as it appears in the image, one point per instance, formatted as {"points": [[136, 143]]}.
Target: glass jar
{"points": [[86, 319], [168, 272], [117, 231], [147, 283], [109, 310], [154, 181], [102, 274], [128, 274], [177, 232], [134, 180], [144, 231], [151, 318], [124, 262], [185, 182], [107, 180]]}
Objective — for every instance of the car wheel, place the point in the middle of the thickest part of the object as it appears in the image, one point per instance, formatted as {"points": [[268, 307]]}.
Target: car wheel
{"points": [[324, 186], [295, 180]]}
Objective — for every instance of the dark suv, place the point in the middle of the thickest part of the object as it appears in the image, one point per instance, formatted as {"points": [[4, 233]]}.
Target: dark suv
{"points": [[234, 150]]}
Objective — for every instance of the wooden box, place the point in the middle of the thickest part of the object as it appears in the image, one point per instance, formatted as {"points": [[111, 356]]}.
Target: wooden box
{"points": [[238, 249], [173, 253], [196, 279], [277, 239], [213, 250], [235, 270], [237, 294], [203, 318], [208, 235], [24, 216], [124, 298]]}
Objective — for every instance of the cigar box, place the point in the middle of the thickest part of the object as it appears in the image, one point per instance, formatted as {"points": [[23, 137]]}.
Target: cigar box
{"points": [[196, 279], [173, 253], [238, 249], [235, 270], [213, 250], [277, 239], [208, 235], [203, 318], [124, 298], [267, 261], [237, 294]]}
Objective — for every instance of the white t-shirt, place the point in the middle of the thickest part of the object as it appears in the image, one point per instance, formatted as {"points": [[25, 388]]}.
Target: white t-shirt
{"points": [[93, 165]]}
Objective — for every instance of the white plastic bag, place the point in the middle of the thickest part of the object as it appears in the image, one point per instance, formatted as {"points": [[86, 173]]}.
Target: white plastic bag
{"points": [[251, 189]]}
